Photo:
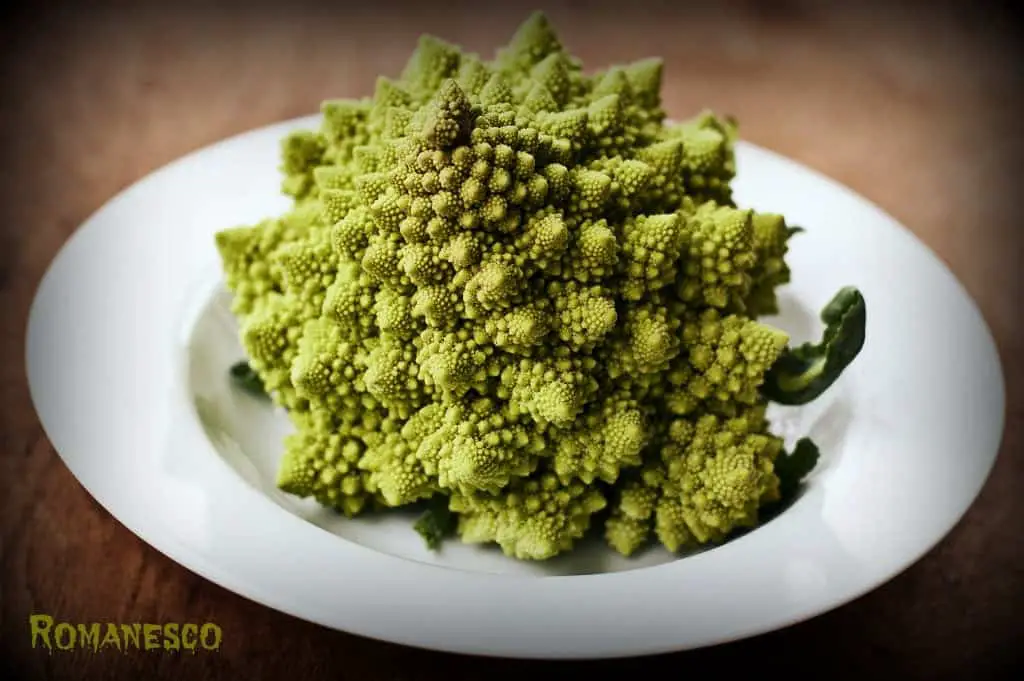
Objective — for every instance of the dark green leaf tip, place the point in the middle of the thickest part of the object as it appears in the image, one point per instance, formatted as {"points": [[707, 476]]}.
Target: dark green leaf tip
{"points": [[436, 523], [803, 373], [244, 377], [791, 468]]}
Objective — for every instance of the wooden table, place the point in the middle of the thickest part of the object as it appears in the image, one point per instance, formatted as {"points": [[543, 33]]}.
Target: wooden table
{"points": [[913, 110]]}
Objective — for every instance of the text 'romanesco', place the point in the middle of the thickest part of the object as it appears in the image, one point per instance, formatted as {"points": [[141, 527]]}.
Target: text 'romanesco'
{"points": [[514, 286]]}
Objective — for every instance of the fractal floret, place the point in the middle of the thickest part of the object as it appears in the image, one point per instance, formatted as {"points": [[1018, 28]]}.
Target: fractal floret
{"points": [[516, 291]]}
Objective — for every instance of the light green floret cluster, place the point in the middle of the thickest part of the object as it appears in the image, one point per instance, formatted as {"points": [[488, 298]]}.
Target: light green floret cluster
{"points": [[514, 285]]}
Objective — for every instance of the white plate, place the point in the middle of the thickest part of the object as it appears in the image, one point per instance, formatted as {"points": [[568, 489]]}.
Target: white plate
{"points": [[129, 342]]}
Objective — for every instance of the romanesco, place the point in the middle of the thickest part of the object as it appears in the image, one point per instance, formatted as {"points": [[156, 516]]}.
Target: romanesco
{"points": [[514, 288]]}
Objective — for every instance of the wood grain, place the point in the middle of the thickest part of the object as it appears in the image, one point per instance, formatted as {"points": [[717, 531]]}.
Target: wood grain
{"points": [[913, 105]]}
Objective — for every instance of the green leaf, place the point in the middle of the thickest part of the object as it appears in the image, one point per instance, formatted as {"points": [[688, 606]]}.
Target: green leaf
{"points": [[244, 377], [803, 373], [436, 523], [792, 467]]}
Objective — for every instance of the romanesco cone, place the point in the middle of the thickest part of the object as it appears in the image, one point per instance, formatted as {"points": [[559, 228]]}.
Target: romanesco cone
{"points": [[516, 285]]}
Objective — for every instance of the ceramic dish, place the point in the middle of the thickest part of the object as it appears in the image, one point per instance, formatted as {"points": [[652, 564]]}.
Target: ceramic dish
{"points": [[130, 339]]}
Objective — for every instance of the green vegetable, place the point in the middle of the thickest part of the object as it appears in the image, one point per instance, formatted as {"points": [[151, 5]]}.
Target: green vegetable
{"points": [[436, 523], [513, 287], [791, 468], [803, 373], [244, 377]]}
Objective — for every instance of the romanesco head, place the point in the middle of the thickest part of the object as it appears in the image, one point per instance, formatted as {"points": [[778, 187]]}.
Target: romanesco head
{"points": [[499, 280]]}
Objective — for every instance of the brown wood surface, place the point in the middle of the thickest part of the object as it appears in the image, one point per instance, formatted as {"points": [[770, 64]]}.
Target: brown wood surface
{"points": [[912, 107]]}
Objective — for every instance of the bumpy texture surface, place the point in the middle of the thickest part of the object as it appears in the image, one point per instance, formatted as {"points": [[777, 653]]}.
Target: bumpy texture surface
{"points": [[511, 283]]}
